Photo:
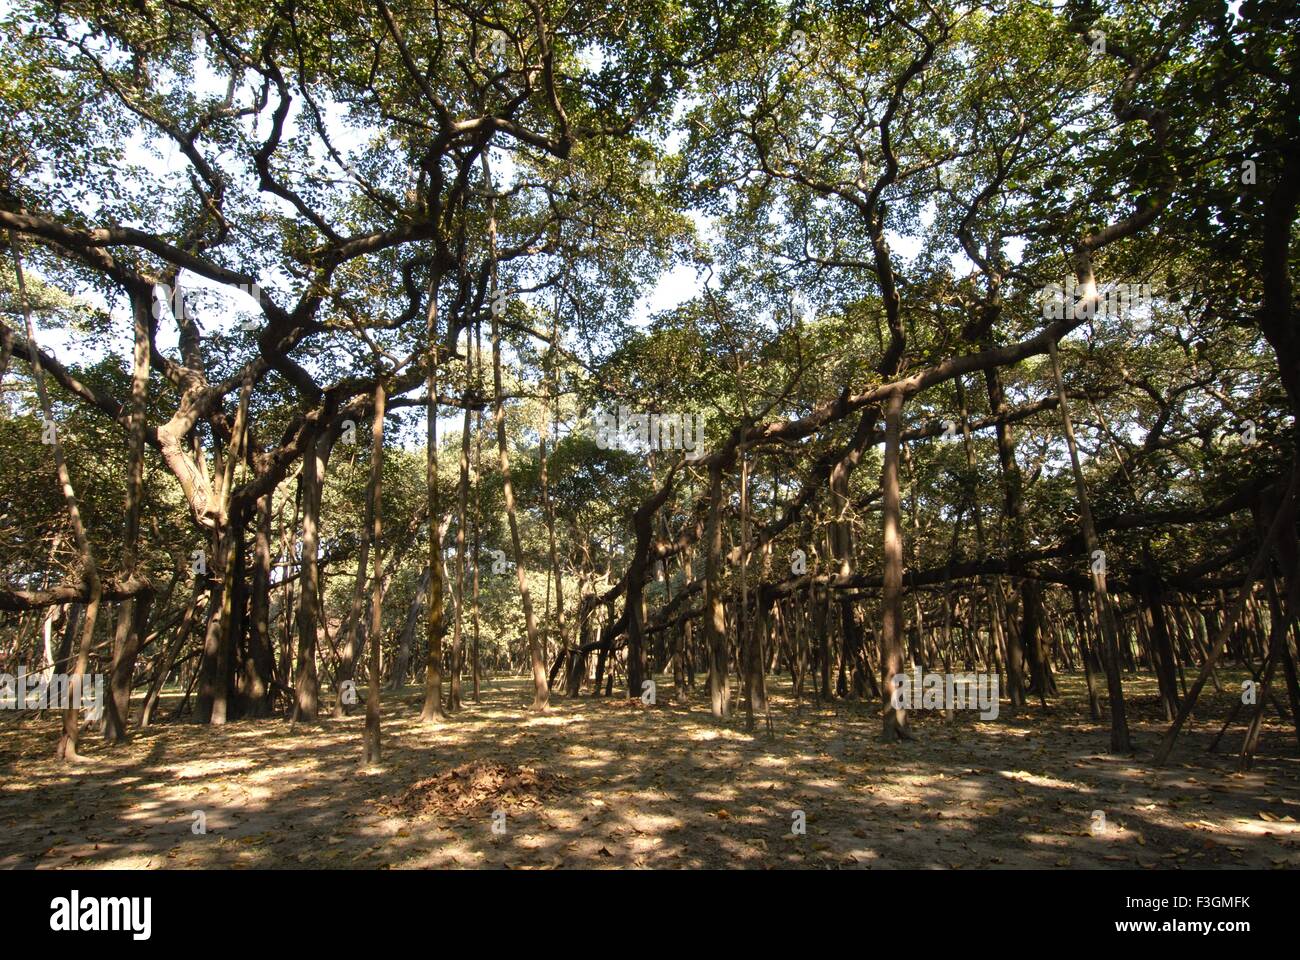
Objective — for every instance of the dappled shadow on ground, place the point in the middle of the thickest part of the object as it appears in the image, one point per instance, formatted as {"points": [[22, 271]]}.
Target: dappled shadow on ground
{"points": [[662, 786]]}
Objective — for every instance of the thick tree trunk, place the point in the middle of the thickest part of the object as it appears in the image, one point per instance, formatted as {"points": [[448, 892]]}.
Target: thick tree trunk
{"points": [[435, 613], [755, 630], [1157, 629], [259, 662], [133, 621], [213, 702], [891, 598], [306, 685], [216, 683], [1013, 512]]}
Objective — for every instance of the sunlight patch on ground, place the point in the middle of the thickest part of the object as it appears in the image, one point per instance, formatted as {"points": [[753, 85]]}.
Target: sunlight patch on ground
{"points": [[1038, 780], [668, 787]]}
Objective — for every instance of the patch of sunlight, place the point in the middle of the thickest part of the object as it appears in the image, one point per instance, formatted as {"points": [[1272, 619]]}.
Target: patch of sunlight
{"points": [[822, 783], [1024, 776], [654, 823], [231, 765], [146, 806], [587, 763], [721, 795], [865, 853], [550, 720], [182, 819], [713, 733], [710, 734], [1262, 828]]}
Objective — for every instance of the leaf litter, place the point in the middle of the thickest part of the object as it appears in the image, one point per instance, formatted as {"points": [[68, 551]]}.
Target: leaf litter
{"points": [[476, 785]]}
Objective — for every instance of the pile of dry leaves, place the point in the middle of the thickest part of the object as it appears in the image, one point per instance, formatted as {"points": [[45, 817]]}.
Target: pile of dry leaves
{"points": [[477, 785]]}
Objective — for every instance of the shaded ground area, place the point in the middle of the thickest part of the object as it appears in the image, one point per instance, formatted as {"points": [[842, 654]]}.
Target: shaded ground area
{"points": [[598, 782]]}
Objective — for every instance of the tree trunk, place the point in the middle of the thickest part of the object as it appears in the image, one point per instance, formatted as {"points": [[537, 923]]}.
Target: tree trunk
{"points": [[306, 684], [548, 507], [462, 517], [1013, 512], [435, 615], [541, 692], [134, 613], [476, 666], [354, 642], [891, 598], [1119, 735], [259, 663], [374, 530], [67, 746], [169, 657], [715, 623]]}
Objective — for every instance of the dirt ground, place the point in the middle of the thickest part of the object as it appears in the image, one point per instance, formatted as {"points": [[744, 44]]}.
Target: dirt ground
{"points": [[608, 783]]}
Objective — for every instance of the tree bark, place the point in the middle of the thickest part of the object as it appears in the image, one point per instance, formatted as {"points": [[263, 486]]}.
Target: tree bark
{"points": [[1119, 735], [67, 746], [541, 692], [133, 617], [435, 614], [306, 685], [374, 530], [259, 661], [715, 622], [891, 600]]}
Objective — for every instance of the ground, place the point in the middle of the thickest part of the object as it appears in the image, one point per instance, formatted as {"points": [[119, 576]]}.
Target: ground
{"points": [[607, 782]]}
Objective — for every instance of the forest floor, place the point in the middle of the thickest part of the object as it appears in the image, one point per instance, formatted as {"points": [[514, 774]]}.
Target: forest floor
{"points": [[612, 783]]}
